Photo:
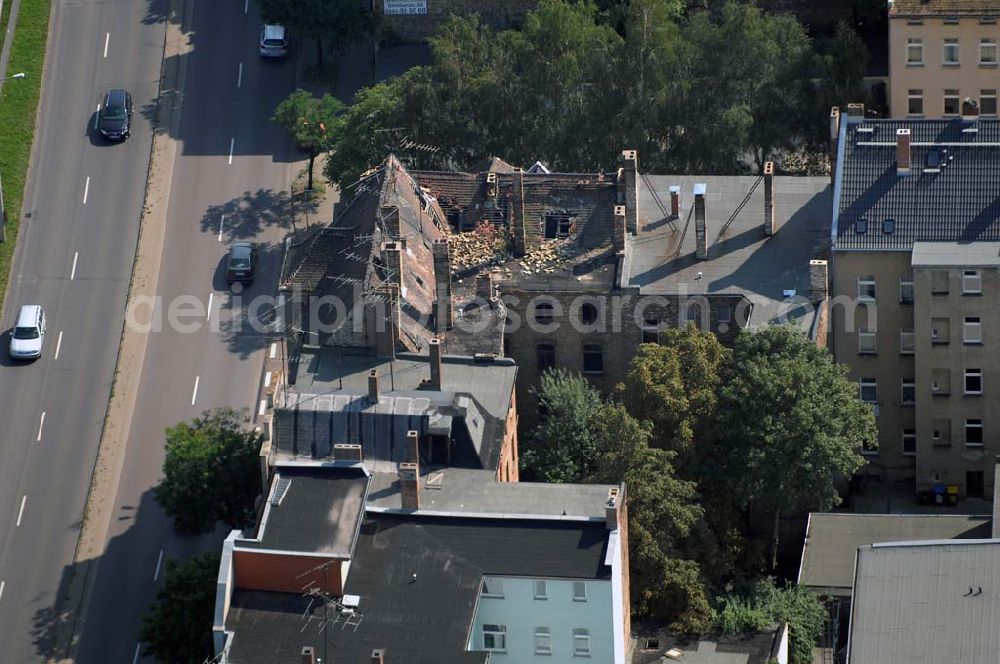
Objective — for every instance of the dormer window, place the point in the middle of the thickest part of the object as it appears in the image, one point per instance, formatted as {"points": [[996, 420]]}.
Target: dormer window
{"points": [[861, 227], [888, 226], [558, 224]]}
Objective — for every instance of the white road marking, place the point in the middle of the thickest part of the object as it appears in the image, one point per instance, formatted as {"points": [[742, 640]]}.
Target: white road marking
{"points": [[239, 77], [222, 222], [72, 274], [267, 379], [58, 346], [107, 38], [210, 298], [274, 350], [194, 394], [20, 512], [97, 116], [263, 407], [2, 584], [156, 574], [41, 423], [86, 190], [232, 144], [135, 657]]}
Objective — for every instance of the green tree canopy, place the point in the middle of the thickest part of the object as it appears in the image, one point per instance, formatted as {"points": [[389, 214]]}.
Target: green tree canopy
{"points": [[178, 627], [211, 472], [312, 122]]}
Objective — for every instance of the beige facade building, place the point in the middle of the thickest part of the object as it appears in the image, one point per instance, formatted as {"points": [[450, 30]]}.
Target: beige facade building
{"points": [[916, 276], [942, 53]]}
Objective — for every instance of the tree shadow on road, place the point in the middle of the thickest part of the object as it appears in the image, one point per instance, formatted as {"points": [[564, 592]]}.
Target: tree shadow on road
{"points": [[252, 319], [159, 11], [247, 215]]}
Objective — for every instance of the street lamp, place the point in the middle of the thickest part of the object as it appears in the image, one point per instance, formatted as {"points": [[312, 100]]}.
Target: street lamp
{"points": [[19, 74]]}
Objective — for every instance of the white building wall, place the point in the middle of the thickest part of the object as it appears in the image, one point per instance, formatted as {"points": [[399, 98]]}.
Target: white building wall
{"points": [[521, 613]]}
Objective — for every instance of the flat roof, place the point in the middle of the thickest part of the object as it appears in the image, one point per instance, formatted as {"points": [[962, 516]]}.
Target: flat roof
{"points": [[926, 602], [832, 541], [956, 254]]}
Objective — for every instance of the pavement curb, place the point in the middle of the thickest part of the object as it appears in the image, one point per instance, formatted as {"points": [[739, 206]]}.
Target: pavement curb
{"points": [[131, 353]]}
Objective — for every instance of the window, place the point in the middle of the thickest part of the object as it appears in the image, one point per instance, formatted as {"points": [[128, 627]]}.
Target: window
{"points": [[915, 102], [951, 20], [693, 314], [866, 288], [950, 54], [987, 20], [866, 341], [579, 591], [868, 390], [951, 102], [861, 226], [940, 330], [973, 381], [973, 433], [544, 313], [588, 313], [988, 52], [495, 638], [909, 442], [593, 358], [906, 290], [492, 587], [558, 225], [988, 102], [939, 282], [724, 313], [543, 641], [888, 226], [972, 282], [541, 590], [914, 21], [546, 356], [940, 382], [941, 433], [906, 342], [581, 642], [972, 330], [914, 52], [908, 392]]}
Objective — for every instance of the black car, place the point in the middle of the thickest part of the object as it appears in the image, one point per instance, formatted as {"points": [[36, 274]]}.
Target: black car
{"points": [[115, 117], [242, 263]]}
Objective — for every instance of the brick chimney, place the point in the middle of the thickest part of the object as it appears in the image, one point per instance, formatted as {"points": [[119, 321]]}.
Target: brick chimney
{"points": [[484, 285], [856, 110], [700, 230], [378, 656], [436, 377], [518, 227], [349, 452], [390, 216], [383, 319], [308, 655], [409, 485], [392, 260], [770, 228], [611, 507], [630, 174], [413, 447], [818, 281], [444, 311], [374, 386], [675, 201], [834, 141], [619, 229], [902, 152]]}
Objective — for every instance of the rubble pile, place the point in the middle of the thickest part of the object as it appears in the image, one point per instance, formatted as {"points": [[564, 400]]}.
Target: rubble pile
{"points": [[549, 257], [475, 249]]}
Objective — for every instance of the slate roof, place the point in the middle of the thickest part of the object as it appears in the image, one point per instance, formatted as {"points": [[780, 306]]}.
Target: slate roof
{"points": [[961, 203], [426, 620], [944, 7]]}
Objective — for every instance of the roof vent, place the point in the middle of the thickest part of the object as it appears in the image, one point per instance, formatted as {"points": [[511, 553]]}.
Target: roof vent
{"points": [[888, 226], [861, 226], [281, 486]]}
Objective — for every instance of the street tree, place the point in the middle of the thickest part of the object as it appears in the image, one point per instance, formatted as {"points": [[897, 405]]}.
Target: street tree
{"points": [[311, 122], [178, 627], [339, 22], [211, 471]]}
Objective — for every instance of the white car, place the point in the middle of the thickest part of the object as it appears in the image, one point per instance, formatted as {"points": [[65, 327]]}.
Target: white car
{"points": [[273, 41], [29, 333]]}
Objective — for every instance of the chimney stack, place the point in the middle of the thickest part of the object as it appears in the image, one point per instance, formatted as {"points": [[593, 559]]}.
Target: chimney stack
{"points": [[675, 201], [611, 509], [392, 259], [834, 141], [374, 386], [413, 447], [444, 311], [620, 229], [700, 230], [435, 352], [378, 656], [390, 216], [902, 152], [484, 285], [856, 110], [348, 452], [517, 225], [769, 226], [409, 485], [308, 655], [383, 319], [818, 281], [631, 176]]}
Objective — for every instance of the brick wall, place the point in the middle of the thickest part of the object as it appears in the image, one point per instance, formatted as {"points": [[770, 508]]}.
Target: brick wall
{"points": [[255, 570], [498, 14]]}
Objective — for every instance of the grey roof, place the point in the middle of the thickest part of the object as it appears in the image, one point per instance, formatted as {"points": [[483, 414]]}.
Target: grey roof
{"points": [[476, 491], [328, 404], [955, 254], [742, 261], [426, 620], [832, 541], [742, 649], [926, 602], [944, 7], [961, 203], [312, 509]]}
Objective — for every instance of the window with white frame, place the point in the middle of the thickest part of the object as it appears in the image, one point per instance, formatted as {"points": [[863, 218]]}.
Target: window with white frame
{"points": [[868, 390], [579, 591], [581, 642], [988, 102], [909, 442], [866, 341], [906, 290], [541, 589], [866, 288], [907, 341], [914, 52], [492, 586], [495, 638], [915, 102], [908, 392], [972, 282], [974, 433], [543, 641], [973, 381], [949, 56], [952, 102], [972, 330], [988, 52]]}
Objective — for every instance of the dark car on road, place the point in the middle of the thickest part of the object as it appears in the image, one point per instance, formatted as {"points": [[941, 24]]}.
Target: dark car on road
{"points": [[114, 120], [242, 263]]}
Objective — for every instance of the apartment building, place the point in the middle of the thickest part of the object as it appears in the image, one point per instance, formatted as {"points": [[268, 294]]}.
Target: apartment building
{"points": [[916, 227], [943, 54]]}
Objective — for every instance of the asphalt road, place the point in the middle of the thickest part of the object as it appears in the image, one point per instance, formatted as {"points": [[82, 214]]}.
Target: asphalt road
{"points": [[228, 184], [74, 257]]}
